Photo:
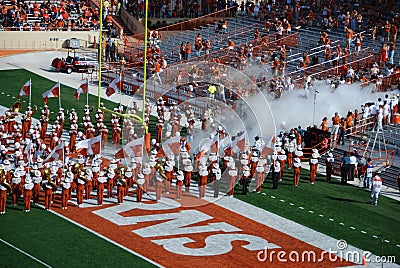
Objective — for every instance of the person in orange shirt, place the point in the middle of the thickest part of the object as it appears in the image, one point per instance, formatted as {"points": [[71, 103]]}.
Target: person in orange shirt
{"points": [[335, 126], [349, 37], [188, 50], [324, 124], [349, 122]]}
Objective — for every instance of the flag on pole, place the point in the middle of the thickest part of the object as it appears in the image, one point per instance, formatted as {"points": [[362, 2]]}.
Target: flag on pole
{"points": [[172, 146], [25, 89], [114, 86], [131, 149], [28, 148], [56, 154], [84, 88], [238, 144], [89, 146], [268, 147], [54, 92]]}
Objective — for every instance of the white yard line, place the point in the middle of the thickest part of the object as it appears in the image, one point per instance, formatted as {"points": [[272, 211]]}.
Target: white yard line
{"points": [[25, 253]]}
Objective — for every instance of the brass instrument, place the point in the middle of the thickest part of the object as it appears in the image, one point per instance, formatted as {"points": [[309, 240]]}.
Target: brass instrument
{"points": [[77, 168], [4, 182], [53, 184], [16, 107], [47, 176], [121, 171], [160, 169]]}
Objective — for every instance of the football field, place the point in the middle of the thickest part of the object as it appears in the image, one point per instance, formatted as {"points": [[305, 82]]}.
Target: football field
{"points": [[226, 232]]}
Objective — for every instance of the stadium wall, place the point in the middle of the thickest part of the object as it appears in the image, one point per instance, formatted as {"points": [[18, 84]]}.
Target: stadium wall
{"points": [[44, 40]]}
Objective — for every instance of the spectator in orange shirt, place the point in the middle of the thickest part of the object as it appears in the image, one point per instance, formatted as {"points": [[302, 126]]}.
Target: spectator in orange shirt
{"points": [[188, 50]]}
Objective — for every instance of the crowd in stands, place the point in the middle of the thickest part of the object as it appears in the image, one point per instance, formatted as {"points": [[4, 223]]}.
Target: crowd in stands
{"points": [[50, 16], [56, 16]]}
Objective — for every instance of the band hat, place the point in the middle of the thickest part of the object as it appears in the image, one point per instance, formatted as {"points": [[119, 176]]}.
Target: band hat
{"points": [[28, 180], [140, 175], [70, 174], [2, 166], [140, 181], [297, 160], [37, 173], [330, 154]]}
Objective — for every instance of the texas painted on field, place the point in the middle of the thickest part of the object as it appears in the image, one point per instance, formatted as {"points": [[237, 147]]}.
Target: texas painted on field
{"points": [[199, 232]]}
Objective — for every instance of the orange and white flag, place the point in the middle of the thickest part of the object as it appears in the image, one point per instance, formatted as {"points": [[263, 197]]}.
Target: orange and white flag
{"points": [[84, 88], [56, 154], [131, 149], [238, 144], [54, 92], [172, 146], [114, 87], [268, 147], [89, 146], [25, 89]]}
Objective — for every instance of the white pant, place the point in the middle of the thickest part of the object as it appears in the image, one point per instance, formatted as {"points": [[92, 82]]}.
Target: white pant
{"points": [[375, 194]]}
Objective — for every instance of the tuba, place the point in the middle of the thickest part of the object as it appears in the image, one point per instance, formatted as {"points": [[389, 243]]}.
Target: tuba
{"points": [[47, 176], [3, 181], [16, 107], [121, 171], [160, 169], [77, 168], [53, 184]]}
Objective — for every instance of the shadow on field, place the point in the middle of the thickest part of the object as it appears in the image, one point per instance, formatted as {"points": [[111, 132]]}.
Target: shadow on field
{"points": [[346, 200]]}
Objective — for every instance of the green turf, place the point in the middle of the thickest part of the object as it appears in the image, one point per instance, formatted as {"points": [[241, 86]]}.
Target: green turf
{"points": [[56, 242], [343, 203]]}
